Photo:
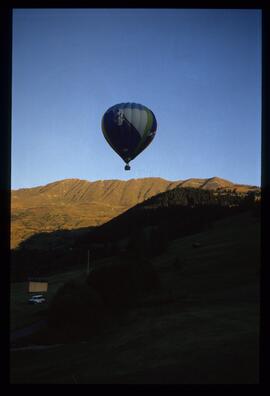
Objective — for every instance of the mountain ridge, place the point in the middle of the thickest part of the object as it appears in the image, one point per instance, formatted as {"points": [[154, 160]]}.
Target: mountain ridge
{"points": [[75, 203], [219, 179]]}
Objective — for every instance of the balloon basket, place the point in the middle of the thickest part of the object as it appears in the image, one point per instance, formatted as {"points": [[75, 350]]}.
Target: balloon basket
{"points": [[127, 167]]}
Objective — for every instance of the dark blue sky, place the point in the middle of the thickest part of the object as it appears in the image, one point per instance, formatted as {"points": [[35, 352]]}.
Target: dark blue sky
{"points": [[199, 71]]}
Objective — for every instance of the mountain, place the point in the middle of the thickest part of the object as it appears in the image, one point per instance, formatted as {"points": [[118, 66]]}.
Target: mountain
{"points": [[74, 203]]}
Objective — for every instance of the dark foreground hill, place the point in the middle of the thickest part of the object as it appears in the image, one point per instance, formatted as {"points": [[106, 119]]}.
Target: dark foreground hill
{"points": [[202, 328]]}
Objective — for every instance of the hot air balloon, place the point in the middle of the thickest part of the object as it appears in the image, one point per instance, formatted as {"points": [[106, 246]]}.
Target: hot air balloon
{"points": [[129, 128]]}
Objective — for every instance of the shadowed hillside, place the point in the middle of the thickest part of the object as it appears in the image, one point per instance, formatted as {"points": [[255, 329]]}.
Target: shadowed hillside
{"points": [[201, 327]]}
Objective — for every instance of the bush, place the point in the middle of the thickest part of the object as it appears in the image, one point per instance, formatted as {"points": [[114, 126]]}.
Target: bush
{"points": [[77, 306]]}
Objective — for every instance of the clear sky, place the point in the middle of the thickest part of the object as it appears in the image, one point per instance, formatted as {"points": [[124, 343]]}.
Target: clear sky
{"points": [[199, 71]]}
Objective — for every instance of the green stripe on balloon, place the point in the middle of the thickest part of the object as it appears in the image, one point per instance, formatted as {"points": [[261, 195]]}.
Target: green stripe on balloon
{"points": [[145, 133]]}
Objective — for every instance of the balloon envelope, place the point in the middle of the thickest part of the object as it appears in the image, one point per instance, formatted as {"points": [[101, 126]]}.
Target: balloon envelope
{"points": [[129, 128]]}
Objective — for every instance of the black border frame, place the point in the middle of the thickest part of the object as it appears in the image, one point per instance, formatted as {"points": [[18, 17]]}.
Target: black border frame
{"points": [[6, 139]]}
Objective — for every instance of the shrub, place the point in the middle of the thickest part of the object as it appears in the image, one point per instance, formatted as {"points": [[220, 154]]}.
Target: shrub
{"points": [[77, 306]]}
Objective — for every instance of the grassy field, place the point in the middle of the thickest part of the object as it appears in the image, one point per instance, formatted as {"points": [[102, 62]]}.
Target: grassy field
{"points": [[202, 328], [23, 314]]}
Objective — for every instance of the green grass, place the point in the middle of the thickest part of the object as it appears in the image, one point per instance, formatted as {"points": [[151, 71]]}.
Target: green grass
{"points": [[208, 333]]}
